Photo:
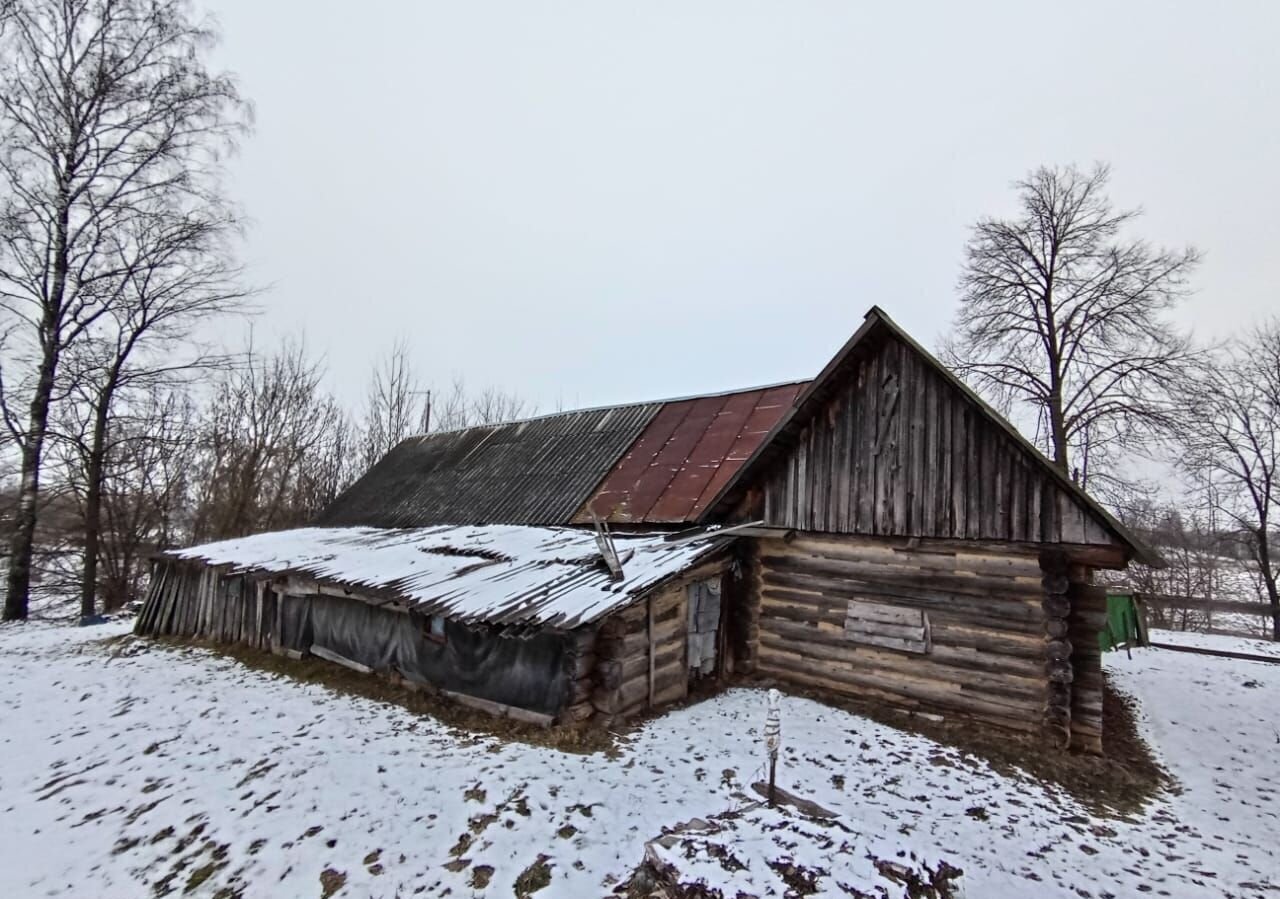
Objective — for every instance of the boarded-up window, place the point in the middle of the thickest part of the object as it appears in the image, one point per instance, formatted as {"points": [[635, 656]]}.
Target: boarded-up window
{"points": [[887, 626]]}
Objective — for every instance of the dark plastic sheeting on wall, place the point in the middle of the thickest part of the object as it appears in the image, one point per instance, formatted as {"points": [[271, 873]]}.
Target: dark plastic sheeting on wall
{"points": [[526, 672]]}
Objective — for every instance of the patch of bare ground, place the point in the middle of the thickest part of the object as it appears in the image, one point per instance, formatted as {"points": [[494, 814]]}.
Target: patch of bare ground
{"points": [[331, 881], [533, 878], [1117, 784]]}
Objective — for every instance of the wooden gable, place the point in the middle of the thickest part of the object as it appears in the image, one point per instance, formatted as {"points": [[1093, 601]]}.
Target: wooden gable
{"points": [[886, 441], [896, 450]]}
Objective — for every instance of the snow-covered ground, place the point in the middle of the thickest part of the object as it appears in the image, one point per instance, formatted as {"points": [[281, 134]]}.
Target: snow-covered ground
{"points": [[1209, 641], [129, 768]]}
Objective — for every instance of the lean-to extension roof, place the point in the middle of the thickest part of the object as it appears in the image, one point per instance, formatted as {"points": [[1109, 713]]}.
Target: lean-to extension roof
{"points": [[500, 574]]}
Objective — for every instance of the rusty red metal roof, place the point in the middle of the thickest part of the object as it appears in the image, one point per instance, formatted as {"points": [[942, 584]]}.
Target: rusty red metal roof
{"points": [[689, 450]]}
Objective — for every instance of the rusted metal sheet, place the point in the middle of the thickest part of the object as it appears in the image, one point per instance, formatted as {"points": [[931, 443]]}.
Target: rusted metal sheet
{"points": [[690, 449]]}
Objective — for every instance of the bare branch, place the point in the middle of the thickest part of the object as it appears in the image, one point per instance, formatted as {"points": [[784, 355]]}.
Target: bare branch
{"points": [[1063, 315]]}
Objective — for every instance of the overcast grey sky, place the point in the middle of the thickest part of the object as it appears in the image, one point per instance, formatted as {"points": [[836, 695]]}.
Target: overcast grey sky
{"points": [[600, 202]]}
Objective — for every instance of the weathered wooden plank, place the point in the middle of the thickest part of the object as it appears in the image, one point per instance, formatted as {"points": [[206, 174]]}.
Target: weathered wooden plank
{"points": [[902, 644], [931, 472], [331, 656], [863, 459], [921, 554], [1013, 617], [1014, 613], [904, 496], [955, 633], [873, 611], [859, 629], [672, 693], [847, 582], [499, 710]]}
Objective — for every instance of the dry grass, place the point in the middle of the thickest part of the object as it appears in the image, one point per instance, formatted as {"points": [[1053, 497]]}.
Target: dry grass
{"points": [[418, 700], [1117, 784]]}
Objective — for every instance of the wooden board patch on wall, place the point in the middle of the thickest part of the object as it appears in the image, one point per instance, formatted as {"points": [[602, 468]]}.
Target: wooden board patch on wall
{"points": [[887, 626]]}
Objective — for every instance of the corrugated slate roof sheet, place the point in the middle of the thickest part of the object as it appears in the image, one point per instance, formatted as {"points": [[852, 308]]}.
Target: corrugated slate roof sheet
{"points": [[538, 471], [507, 575], [689, 451]]}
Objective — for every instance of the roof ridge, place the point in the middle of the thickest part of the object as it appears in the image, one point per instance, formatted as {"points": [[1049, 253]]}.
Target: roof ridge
{"points": [[610, 406]]}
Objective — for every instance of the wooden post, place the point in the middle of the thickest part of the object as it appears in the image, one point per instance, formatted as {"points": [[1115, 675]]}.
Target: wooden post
{"points": [[773, 739], [652, 659]]}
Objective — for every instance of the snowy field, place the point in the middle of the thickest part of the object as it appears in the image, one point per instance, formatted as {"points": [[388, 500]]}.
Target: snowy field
{"points": [[131, 770]]}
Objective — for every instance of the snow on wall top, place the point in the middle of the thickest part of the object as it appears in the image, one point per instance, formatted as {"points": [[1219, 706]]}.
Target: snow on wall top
{"points": [[501, 574]]}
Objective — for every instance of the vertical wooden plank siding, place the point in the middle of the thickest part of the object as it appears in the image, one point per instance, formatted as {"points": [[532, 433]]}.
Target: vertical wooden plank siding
{"points": [[898, 451]]}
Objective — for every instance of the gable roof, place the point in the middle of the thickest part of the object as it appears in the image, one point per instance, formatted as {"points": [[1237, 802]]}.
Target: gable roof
{"points": [[643, 463], [811, 400], [689, 450]]}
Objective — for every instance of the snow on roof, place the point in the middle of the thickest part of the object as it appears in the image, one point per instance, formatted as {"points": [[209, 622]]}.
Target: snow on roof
{"points": [[502, 574]]}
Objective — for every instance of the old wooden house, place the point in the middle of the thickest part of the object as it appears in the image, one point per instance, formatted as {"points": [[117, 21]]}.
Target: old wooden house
{"points": [[877, 532]]}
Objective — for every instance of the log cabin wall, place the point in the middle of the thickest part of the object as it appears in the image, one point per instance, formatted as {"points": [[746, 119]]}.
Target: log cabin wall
{"points": [[641, 655], [899, 450], [1086, 620], [950, 629]]}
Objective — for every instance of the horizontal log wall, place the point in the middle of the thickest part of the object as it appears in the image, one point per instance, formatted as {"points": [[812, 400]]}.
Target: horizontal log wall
{"points": [[581, 661], [986, 655], [641, 652], [641, 656], [900, 451]]}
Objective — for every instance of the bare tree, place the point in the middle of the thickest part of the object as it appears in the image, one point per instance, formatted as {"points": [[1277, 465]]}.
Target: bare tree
{"points": [[1062, 313], [1229, 435], [274, 447], [397, 406], [145, 485], [108, 119], [178, 273], [493, 406], [452, 408], [457, 408]]}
